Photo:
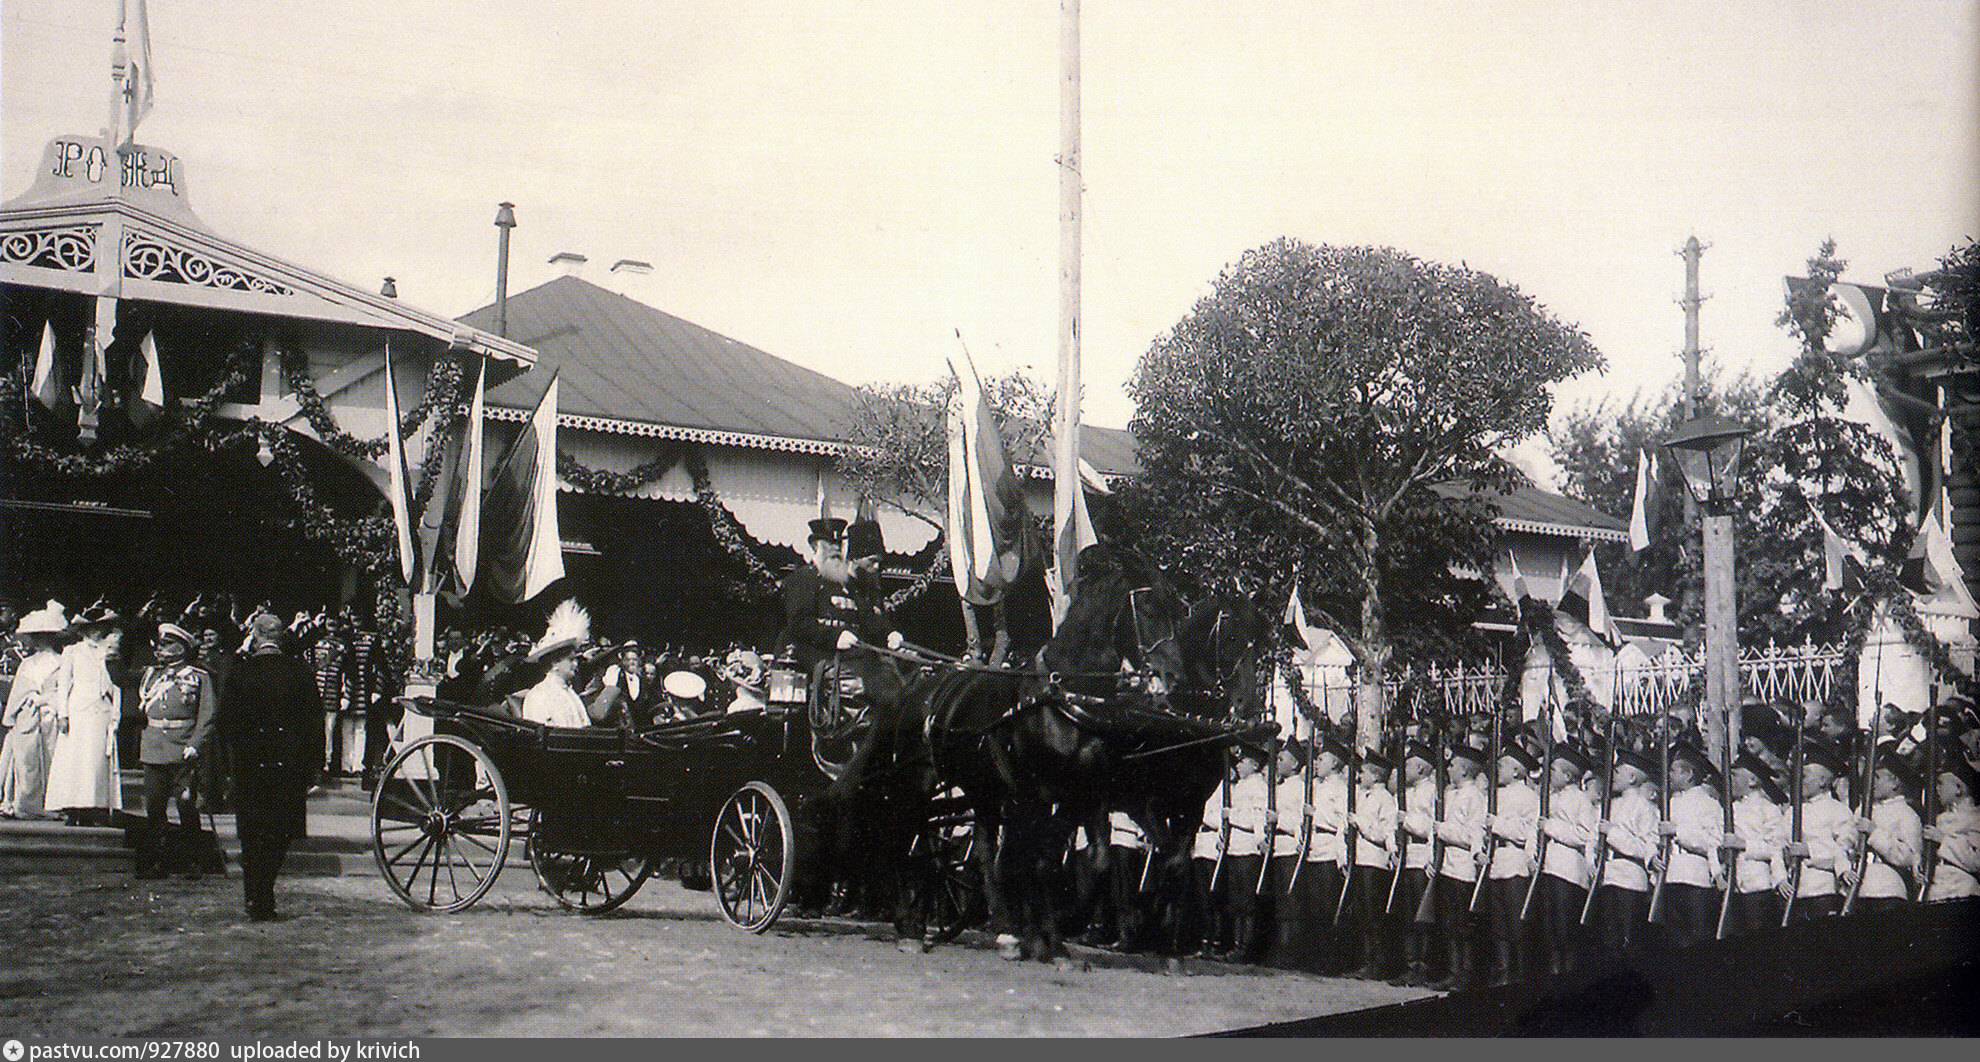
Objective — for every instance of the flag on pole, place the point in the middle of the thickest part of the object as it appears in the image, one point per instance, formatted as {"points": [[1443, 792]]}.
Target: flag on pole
{"points": [[1837, 551], [983, 495], [1296, 619], [1069, 540], [395, 460], [1509, 579], [48, 389], [131, 59], [1587, 582], [1639, 509], [467, 482], [146, 399], [522, 552]]}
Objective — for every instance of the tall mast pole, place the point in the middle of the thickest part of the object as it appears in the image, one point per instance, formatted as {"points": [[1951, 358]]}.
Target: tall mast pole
{"points": [[1065, 433]]}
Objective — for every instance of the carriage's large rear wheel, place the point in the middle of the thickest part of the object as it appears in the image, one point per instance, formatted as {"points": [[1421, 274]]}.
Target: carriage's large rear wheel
{"points": [[589, 882], [753, 856], [440, 823]]}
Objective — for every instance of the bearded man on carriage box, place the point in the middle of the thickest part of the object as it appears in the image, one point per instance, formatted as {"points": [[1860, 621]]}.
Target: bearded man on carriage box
{"points": [[833, 606]]}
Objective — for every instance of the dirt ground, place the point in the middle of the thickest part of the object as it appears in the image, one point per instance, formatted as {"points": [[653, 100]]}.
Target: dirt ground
{"points": [[102, 956]]}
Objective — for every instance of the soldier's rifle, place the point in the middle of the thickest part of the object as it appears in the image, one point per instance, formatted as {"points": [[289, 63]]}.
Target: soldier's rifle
{"points": [[1657, 915], [1794, 826], [1271, 817], [1608, 805], [1426, 908], [1491, 840], [1223, 833], [1546, 783], [1928, 852], [1349, 836], [1863, 808], [1728, 856], [1400, 787], [1306, 806]]}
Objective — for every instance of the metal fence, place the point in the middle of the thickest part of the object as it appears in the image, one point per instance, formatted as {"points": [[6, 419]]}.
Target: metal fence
{"points": [[1637, 684]]}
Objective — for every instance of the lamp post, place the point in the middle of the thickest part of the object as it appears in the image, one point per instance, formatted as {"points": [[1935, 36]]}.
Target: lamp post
{"points": [[1707, 451]]}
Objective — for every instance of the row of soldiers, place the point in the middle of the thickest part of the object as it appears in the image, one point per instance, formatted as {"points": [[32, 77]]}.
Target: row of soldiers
{"points": [[1417, 863]]}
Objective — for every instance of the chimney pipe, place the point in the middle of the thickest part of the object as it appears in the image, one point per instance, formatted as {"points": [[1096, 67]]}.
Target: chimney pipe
{"points": [[505, 219], [390, 290]]}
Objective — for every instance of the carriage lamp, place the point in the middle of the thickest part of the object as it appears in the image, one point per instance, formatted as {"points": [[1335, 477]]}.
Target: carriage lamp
{"points": [[1707, 450]]}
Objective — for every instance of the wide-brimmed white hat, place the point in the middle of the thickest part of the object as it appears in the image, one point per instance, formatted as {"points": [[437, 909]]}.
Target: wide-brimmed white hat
{"points": [[51, 619], [569, 627]]}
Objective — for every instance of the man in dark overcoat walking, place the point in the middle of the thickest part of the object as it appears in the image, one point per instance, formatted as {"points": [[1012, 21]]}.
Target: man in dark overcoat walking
{"points": [[271, 719]]}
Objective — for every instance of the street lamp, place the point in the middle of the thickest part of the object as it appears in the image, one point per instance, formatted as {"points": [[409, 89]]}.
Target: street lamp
{"points": [[1707, 450]]}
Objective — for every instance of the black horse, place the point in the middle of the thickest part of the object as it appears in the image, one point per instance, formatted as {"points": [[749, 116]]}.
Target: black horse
{"points": [[1099, 723]]}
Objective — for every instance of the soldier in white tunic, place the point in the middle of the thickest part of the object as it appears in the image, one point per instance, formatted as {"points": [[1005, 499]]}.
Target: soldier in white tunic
{"points": [[1564, 835], [1956, 832], [1697, 828], [1511, 830], [1760, 832], [1892, 833], [1826, 824]]}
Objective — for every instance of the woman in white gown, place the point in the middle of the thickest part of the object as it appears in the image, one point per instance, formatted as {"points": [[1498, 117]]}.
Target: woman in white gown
{"points": [[83, 778], [29, 721]]}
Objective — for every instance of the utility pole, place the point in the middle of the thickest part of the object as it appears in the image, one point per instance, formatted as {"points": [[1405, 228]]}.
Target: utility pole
{"points": [[1722, 692], [1692, 252], [1065, 432]]}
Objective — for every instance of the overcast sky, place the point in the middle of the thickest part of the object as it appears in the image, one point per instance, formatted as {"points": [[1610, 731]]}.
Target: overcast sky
{"points": [[846, 183]]}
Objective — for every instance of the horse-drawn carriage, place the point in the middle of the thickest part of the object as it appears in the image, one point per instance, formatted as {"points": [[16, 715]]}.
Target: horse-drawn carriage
{"points": [[986, 771]]}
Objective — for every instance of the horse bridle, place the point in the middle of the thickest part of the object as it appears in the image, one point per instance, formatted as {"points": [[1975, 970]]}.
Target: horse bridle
{"points": [[1146, 649]]}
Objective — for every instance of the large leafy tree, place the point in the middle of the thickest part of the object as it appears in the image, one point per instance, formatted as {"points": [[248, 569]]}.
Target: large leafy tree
{"points": [[1295, 423]]}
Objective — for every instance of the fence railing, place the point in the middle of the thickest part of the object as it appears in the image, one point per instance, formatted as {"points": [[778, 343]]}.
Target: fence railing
{"points": [[1635, 683]]}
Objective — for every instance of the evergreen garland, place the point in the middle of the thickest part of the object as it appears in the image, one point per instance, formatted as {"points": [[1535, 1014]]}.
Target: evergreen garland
{"points": [[1538, 620], [921, 582]]}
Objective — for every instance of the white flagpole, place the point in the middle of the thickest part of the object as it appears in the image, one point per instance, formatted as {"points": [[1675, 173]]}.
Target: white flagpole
{"points": [[1065, 455]]}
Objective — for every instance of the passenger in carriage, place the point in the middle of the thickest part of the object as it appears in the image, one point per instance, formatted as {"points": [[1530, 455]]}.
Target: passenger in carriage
{"points": [[552, 701]]}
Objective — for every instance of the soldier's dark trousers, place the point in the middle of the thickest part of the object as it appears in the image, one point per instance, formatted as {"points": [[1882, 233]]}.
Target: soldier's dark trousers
{"points": [[163, 782], [1204, 924], [1619, 915], [1240, 897], [261, 860], [1131, 914], [1460, 930], [1421, 952], [1870, 904], [1285, 939], [1806, 907], [1558, 917], [1693, 911], [1368, 891], [1503, 929], [1755, 911]]}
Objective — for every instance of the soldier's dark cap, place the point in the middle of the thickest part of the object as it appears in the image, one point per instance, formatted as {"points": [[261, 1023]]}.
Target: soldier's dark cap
{"points": [[827, 529], [1955, 700], [1572, 756], [1762, 774], [1692, 754], [1525, 759], [1376, 759], [1889, 760], [1471, 752], [1420, 750], [1824, 753], [1775, 739], [1632, 758], [1758, 718]]}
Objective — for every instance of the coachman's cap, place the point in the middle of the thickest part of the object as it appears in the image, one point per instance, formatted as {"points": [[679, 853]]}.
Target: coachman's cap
{"points": [[827, 529], [863, 539]]}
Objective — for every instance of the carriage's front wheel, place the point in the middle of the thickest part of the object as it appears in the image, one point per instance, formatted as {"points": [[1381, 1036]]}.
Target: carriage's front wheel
{"points": [[590, 883], [753, 856], [440, 823]]}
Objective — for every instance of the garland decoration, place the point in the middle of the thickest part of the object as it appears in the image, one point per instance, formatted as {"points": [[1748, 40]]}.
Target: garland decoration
{"points": [[905, 594], [189, 425], [761, 581], [598, 481], [1538, 620]]}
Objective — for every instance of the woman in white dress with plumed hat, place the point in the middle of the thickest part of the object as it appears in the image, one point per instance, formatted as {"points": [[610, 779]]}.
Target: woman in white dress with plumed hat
{"points": [[29, 720], [83, 777]]}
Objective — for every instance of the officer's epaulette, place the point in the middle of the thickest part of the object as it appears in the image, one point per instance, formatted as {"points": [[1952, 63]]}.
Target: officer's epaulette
{"points": [[202, 672]]}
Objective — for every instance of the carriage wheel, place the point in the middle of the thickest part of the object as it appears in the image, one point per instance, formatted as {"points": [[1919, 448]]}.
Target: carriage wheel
{"points": [[592, 884], [950, 896], [440, 823], [753, 855]]}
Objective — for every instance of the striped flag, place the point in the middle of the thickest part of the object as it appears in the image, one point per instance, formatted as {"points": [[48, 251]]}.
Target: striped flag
{"points": [[395, 460], [522, 552], [47, 387], [146, 399], [1639, 508], [984, 495], [131, 56], [467, 480]]}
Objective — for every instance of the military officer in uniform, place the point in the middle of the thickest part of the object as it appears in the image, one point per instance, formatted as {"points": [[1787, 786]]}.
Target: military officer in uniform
{"points": [[179, 704], [272, 719]]}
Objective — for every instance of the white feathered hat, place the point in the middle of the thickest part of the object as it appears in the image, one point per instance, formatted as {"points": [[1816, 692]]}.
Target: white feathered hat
{"points": [[569, 627], [52, 619]]}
